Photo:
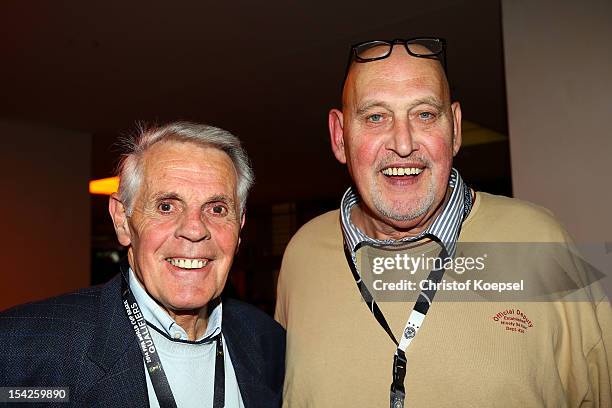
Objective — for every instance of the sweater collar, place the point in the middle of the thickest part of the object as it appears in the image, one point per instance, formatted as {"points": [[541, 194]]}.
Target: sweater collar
{"points": [[155, 315]]}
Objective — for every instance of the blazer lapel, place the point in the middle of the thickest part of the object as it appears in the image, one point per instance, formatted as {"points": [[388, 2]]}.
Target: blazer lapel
{"points": [[247, 362], [115, 351]]}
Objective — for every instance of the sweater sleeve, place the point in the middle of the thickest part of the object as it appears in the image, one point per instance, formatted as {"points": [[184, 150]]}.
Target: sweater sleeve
{"points": [[599, 360], [280, 314]]}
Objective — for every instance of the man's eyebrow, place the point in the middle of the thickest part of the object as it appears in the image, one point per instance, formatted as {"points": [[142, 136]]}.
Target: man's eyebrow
{"points": [[222, 198], [428, 100], [363, 108], [166, 196]]}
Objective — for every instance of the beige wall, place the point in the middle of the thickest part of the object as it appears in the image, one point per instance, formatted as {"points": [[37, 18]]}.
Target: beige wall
{"points": [[558, 62], [45, 240]]}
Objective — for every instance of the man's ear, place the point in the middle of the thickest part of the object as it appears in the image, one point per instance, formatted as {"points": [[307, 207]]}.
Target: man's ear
{"points": [[335, 120], [242, 221], [456, 109], [120, 220]]}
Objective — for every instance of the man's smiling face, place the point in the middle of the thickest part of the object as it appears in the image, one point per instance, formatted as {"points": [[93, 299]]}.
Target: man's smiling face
{"points": [[398, 133], [184, 229]]}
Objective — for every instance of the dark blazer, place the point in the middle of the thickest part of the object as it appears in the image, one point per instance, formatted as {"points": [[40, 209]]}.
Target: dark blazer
{"points": [[84, 341]]}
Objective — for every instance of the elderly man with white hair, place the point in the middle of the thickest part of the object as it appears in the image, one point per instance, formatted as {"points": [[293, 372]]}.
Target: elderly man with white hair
{"points": [[159, 333]]}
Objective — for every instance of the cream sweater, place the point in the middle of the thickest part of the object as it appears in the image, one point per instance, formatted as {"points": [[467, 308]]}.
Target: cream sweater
{"points": [[339, 356]]}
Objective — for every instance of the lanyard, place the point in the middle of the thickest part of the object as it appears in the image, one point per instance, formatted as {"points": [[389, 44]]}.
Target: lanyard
{"points": [[415, 321], [151, 357]]}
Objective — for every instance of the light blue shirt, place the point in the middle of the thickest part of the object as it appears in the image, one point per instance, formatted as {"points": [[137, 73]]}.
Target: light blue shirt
{"points": [[189, 366]]}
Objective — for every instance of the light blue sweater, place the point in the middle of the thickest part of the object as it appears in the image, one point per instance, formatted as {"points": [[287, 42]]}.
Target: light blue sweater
{"points": [[190, 367]]}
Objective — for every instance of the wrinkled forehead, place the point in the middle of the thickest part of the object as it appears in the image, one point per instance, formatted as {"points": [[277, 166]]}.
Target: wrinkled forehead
{"points": [[398, 67], [187, 164]]}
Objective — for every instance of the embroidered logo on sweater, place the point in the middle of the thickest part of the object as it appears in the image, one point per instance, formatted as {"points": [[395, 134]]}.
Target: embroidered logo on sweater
{"points": [[514, 320]]}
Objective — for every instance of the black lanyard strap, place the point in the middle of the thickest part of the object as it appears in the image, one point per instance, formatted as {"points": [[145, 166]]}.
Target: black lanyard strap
{"points": [[158, 377], [219, 396], [398, 393], [367, 296], [422, 305], [423, 301]]}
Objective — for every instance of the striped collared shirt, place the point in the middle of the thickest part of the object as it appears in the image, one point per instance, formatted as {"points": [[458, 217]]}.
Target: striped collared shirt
{"points": [[445, 227]]}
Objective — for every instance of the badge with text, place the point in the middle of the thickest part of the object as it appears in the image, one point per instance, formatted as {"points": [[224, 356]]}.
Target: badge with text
{"points": [[513, 320]]}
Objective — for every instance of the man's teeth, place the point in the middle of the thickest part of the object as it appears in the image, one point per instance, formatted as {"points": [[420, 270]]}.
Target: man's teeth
{"points": [[188, 263], [402, 171]]}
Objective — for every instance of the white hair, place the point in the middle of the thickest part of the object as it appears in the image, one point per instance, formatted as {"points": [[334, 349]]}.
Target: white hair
{"points": [[130, 167]]}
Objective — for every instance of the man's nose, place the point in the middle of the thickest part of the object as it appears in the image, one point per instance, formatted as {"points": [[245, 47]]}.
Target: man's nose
{"points": [[402, 138], [192, 226]]}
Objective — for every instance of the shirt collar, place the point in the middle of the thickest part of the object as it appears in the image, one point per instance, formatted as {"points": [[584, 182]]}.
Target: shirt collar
{"points": [[445, 227], [155, 315]]}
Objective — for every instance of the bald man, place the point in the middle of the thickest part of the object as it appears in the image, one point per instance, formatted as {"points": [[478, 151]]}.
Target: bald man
{"points": [[352, 339]]}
